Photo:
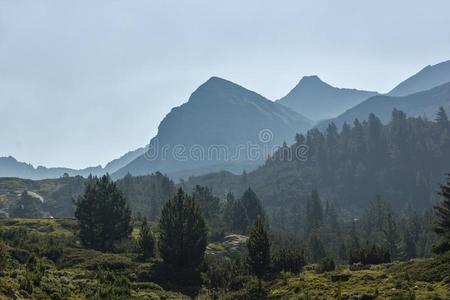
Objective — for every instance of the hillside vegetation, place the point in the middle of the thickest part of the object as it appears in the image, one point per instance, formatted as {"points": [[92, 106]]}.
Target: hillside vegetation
{"points": [[44, 261]]}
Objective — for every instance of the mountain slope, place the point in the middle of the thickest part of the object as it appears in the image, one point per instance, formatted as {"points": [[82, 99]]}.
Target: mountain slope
{"points": [[419, 104], [403, 161], [429, 77], [319, 100], [10, 167], [215, 130]]}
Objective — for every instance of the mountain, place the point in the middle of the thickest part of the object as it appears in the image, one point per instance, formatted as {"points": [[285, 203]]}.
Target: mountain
{"points": [[424, 103], [319, 100], [10, 167], [124, 160], [403, 161], [219, 128], [429, 77]]}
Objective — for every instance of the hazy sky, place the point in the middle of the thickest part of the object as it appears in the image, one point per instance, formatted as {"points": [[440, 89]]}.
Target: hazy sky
{"points": [[82, 82]]}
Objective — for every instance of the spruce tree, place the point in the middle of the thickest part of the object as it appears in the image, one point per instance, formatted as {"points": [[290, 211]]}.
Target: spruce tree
{"points": [[183, 232], [209, 204], [391, 236], [253, 206], [442, 226], [409, 246], [259, 250], [146, 240], [227, 215], [314, 212], [441, 116], [103, 214], [316, 250]]}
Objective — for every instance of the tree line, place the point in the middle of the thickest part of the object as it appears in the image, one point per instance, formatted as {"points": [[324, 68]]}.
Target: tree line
{"points": [[182, 232]]}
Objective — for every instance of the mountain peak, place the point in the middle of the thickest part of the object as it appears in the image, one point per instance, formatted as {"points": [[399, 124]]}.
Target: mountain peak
{"points": [[318, 100], [217, 82], [429, 77], [312, 81], [218, 89]]}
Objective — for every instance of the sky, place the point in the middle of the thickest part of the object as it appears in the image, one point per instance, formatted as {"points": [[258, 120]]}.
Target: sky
{"points": [[83, 82]]}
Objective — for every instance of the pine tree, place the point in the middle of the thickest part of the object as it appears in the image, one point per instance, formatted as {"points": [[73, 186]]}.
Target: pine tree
{"points": [[316, 250], [259, 250], [391, 236], [103, 214], [146, 240], [314, 212], [442, 227], [409, 246], [183, 232], [227, 215], [209, 204], [239, 219], [441, 116], [252, 205]]}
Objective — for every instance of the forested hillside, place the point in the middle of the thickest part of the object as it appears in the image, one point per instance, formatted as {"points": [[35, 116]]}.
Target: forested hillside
{"points": [[402, 161], [54, 197]]}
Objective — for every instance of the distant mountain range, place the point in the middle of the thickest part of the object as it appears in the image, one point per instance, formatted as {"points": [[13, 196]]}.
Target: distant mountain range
{"points": [[424, 103], [429, 77], [220, 119], [420, 95], [318, 100], [10, 167], [222, 115]]}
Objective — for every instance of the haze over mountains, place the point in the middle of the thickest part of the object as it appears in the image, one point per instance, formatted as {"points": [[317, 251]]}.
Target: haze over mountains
{"points": [[10, 167], [424, 103], [222, 113], [420, 95], [219, 115], [429, 77], [318, 100]]}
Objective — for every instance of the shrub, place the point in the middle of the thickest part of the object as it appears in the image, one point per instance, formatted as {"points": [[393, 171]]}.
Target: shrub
{"points": [[146, 241], [109, 262], [218, 273], [288, 259], [26, 283], [326, 265], [3, 255], [110, 286], [369, 255]]}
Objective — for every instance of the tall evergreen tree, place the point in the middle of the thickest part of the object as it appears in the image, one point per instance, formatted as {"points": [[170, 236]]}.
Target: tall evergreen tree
{"points": [[259, 250], [146, 240], [227, 215], [239, 219], [209, 203], [314, 212], [409, 246], [441, 116], [103, 214], [253, 206], [442, 226], [183, 232], [316, 250], [391, 236]]}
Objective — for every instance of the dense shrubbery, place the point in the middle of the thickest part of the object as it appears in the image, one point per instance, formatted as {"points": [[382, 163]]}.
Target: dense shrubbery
{"points": [[288, 259], [371, 254], [326, 264]]}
